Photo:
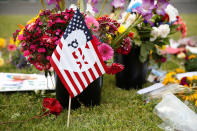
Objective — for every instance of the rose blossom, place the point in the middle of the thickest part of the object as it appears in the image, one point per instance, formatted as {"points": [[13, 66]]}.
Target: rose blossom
{"points": [[52, 105], [164, 30]]}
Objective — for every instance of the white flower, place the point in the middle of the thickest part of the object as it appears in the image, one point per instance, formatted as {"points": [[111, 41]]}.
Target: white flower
{"points": [[154, 33], [73, 6], [164, 30], [90, 10], [172, 13], [131, 18]]}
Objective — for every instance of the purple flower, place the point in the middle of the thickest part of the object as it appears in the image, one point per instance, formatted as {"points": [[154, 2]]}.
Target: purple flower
{"points": [[50, 2], [93, 2], [146, 9], [161, 6], [118, 3]]}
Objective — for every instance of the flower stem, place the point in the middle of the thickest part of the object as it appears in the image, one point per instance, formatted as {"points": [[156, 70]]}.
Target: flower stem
{"points": [[119, 37], [103, 5], [43, 5]]}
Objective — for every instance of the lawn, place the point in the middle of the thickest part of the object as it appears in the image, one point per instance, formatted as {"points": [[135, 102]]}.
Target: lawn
{"points": [[119, 109]]}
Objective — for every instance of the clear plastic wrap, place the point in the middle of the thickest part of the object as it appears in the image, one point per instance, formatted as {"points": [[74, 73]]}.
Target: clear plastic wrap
{"points": [[175, 114]]}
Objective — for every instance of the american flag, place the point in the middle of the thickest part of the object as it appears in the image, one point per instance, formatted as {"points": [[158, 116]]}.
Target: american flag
{"points": [[76, 59]]}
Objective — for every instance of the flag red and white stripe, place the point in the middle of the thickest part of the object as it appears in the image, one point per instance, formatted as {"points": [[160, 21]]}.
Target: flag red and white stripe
{"points": [[76, 82], [76, 58]]}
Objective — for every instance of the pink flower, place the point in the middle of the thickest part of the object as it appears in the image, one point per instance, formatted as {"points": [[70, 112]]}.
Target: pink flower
{"points": [[11, 47], [20, 37], [106, 51], [48, 57], [59, 21], [26, 53], [33, 47], [39, 66], [41, 50], [50, 2], [92, 23]]}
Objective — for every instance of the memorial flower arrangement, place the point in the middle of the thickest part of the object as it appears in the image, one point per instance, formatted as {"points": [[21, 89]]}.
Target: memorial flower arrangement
{"points": [[40, 36], [148, 27], [188, 82], [158, 23]]}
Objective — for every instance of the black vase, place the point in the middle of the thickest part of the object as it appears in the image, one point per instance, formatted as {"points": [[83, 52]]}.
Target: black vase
{"points": [[91, 96], [134, 73]]}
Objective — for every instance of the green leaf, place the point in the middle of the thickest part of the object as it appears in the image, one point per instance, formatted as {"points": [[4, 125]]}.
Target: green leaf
{"points": [[144, 50]]}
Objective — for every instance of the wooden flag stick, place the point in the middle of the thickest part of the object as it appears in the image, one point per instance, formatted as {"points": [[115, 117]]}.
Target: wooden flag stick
{"points": [[69, 106]]}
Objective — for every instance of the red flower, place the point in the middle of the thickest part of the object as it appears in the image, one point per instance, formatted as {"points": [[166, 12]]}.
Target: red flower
{"points": [[125, 48], [52, 105], [166, 18], [131, 35], [183, 81], [163, 59], [114, 68]]}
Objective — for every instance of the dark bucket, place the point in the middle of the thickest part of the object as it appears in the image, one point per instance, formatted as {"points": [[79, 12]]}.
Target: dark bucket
{"points": [[134, 74], [91, 96]]}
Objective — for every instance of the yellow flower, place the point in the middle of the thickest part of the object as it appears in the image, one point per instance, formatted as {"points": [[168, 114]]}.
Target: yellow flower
{"points": [[121, 29], [34, 19], [181, 55], [196, 103], [170, 78], [189, 78], [11, 41], [109, 36], [1, 61], [191, 57], [163, 47], [2, 42], [107, 27], [194, 77], [179, 70]]}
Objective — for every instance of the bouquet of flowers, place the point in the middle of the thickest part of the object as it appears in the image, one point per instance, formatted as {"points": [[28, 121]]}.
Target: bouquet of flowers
{"points": [[40, 36], [158, 23], [147, 27]]}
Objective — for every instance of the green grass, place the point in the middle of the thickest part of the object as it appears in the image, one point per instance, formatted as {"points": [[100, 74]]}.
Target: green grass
{"points": [[119, 109]]}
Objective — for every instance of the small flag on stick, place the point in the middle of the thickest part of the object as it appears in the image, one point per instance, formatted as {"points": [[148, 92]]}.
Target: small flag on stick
{"points": [[76, 59]]}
